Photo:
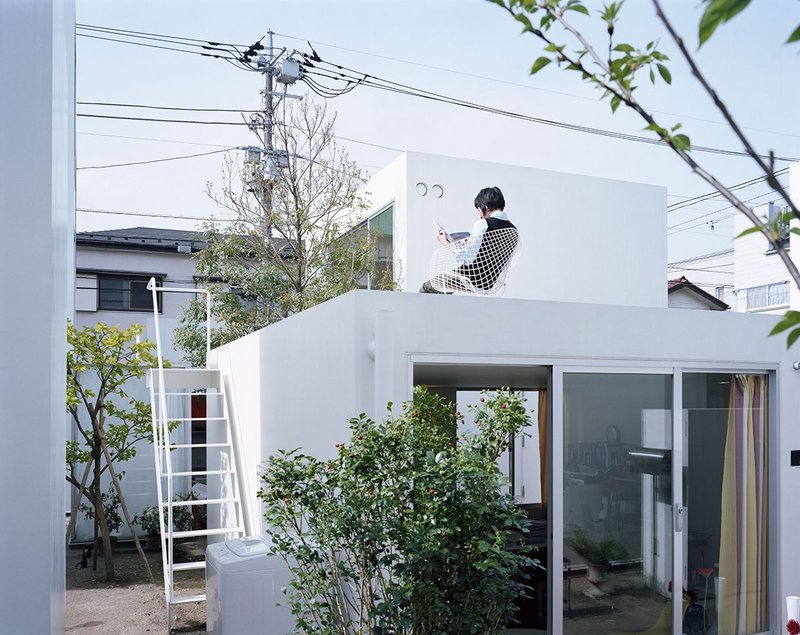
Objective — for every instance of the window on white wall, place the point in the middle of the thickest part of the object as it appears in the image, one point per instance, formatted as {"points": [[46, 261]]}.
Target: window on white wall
{"points": [[767, 295], [381, 224], [125, 293]]}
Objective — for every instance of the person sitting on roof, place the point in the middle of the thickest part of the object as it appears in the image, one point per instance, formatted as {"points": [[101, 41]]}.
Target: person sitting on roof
{"points": [[476, 262]]}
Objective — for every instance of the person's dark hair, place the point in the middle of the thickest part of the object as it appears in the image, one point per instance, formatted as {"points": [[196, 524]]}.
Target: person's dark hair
{"points": [[490, 198]]}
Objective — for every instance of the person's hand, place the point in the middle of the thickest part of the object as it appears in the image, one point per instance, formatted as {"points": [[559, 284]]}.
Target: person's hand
{"points": [[441, 237]]}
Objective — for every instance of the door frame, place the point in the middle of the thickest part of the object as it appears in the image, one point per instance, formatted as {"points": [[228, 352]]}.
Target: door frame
{"points": [[556, 461]]}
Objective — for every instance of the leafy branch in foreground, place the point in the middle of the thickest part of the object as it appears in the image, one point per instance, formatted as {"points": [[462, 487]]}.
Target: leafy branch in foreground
{"points": [[616, 68]]}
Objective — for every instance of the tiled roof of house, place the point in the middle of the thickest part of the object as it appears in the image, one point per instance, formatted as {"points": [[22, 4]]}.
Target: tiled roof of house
{"points": [[684, 283], [144, 238]]}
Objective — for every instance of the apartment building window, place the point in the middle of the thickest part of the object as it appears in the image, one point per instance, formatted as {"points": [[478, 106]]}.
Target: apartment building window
{"points": [[780, 217], [125, 293], [767, 295]]}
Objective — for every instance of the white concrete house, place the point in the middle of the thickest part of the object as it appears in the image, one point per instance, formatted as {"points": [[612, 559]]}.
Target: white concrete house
{"points": [[645, 443], [669, 432], [112, 271], [580, 234], [761, 283]]}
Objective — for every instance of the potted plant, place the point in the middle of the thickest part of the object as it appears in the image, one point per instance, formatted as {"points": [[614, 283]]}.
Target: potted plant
{"points": [[598, 554], [150, 523], [148, 520]]}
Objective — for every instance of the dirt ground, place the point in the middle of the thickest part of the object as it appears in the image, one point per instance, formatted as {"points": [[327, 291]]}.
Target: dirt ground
{"points": [[131, 605]]}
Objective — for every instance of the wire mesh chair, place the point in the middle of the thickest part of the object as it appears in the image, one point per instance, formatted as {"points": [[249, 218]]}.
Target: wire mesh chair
{"points": [[499, 251]]}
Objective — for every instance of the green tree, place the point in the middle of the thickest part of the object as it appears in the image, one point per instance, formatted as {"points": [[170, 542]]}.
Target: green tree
{"points": [[404, 531], [101, 359], [616, 67], [295, 241]]}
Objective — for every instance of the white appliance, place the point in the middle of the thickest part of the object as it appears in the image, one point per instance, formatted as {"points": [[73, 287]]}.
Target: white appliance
{"points": [[244, 589]]}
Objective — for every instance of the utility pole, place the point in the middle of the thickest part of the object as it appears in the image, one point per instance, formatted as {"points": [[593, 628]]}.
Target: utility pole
{"points": [[269, 122], [264, 162]]}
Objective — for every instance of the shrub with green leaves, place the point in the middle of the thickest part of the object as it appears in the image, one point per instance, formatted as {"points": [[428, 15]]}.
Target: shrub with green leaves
{"points": [[404, 531]]}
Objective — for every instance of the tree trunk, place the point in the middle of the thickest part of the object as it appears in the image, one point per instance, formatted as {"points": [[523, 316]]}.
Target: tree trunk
{"points": [[100, 516], [125, 512], [73, 514]]}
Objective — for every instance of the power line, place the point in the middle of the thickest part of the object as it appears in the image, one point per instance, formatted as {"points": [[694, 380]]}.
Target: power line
{"points": [[341, 73], [509, 83], [178, 158], [213, 145], [119, 136], [155, 46], [86, 210], [713, 254], [220, 123], [715, 194], [112, 104], [215, 45], [710, 270], [719, 220], [160, 35], [219, 50]]}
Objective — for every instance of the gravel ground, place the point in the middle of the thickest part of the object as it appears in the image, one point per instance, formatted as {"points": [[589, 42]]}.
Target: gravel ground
{"points": [[131, 605]]}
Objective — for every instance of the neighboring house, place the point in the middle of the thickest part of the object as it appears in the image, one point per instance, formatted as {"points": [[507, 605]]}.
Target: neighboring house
{"points": [[565, 220], [112, 271], [682, 294], [712, 272], [761, 282]]}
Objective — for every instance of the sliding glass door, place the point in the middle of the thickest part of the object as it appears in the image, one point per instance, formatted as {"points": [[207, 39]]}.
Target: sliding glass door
{"points": [[662, 476], [617, 503]]}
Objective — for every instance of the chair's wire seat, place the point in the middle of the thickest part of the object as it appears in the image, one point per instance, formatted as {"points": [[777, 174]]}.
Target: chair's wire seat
{"points": [[486, 275]]}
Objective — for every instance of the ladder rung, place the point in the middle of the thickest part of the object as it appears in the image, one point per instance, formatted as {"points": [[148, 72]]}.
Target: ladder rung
{"points": [[201, 473], [183, 446], [197, 419], [206, 532], [187, 599], [204, 501], [185, 394], [189, 566]]}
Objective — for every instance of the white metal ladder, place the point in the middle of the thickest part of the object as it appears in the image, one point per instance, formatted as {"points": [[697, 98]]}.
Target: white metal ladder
{"points": [[179, 384]]}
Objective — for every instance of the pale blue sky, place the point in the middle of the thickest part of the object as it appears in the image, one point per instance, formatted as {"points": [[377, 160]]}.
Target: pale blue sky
{"points": [[746, 61]]}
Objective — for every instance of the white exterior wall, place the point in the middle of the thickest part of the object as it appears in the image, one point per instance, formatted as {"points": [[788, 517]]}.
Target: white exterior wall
{"points": [[139, 483], [569, 223], [37, 201], [685, 299], [297, 383], [794, 239]]}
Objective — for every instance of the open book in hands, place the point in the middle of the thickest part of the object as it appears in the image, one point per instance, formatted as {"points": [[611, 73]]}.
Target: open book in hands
{"points": [[451, 237]]}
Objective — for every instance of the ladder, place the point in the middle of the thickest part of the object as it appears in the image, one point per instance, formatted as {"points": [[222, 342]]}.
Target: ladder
{"points": [[171, 392]]}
